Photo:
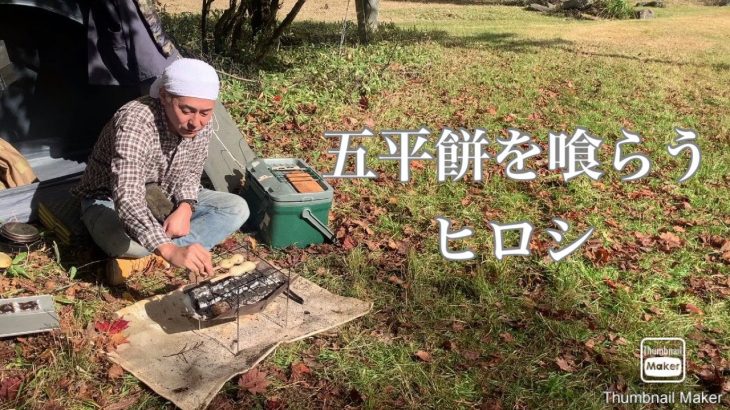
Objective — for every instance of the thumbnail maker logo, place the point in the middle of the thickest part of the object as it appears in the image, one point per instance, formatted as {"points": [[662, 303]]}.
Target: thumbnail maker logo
{"points": [[663, 360]]}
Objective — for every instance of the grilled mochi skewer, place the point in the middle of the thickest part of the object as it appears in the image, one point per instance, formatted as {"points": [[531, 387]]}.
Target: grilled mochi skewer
{"points": [[235, 259]]}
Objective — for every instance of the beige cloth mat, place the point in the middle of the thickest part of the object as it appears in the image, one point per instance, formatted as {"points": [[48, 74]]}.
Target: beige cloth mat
{"points": [[188, 366]]}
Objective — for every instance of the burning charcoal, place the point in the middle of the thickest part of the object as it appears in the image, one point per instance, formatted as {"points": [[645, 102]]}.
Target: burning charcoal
{"points": [[7, 308], [30, 305]]}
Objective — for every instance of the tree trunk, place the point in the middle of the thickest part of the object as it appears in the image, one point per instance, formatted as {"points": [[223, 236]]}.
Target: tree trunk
{"points": [[204, 25], [257, 17], [264, 46], [223, 28], [239, 20], [367, 18]]}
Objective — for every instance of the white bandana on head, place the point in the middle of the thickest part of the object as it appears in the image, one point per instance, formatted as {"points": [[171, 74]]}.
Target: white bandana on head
{"points": [[188, 77]]}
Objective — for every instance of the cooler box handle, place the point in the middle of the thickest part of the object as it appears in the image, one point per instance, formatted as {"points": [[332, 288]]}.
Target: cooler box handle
{"points": [[322, 228]]}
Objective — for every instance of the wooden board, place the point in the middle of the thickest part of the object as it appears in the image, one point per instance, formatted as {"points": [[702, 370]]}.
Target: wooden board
{"points": [[303, 182]]}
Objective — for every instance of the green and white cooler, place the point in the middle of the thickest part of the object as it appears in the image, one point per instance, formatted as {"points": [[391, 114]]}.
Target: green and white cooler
{"points": [[282, 215]]}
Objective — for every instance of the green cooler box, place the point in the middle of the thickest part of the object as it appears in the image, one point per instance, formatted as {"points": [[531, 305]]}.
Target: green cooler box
{"points": [[282, 215]]}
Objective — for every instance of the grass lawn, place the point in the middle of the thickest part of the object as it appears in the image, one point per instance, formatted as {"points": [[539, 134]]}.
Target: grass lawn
{"points": [[523, 332]]}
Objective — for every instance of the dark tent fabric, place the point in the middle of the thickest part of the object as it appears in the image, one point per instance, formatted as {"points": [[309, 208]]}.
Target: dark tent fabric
{"points": [[52, 105]]}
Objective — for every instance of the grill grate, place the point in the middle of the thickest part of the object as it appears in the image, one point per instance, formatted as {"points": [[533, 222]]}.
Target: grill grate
{"points": [[236, 295]]}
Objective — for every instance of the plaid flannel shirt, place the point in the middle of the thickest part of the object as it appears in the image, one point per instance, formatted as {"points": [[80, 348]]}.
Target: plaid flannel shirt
{"points": [[136, 148]]}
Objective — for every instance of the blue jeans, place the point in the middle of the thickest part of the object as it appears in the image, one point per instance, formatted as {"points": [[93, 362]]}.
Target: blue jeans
{"points": [[217, 215]]}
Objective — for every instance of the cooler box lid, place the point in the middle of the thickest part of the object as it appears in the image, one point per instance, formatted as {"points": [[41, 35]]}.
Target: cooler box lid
{"points": [[270, 176]]}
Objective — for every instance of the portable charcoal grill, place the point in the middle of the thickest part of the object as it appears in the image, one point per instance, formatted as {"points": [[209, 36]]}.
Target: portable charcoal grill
{"points": [[250, 292], [227, 297]]}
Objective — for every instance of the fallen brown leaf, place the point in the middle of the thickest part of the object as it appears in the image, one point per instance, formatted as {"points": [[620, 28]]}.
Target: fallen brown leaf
{"points": [[9, 387], [229, 244], [690, 308], [615, 285], [423, 356], [725, 257], [669, 241], [418, 164], [565, 365], [272, 403], [348, 243], [655, 310], [590, 344], [254, 381], [115, 340], [725, 246], [364, 103], [252, 242], [115, 371], [646, 241], [297, 370], [125, 403], [597, 254]]}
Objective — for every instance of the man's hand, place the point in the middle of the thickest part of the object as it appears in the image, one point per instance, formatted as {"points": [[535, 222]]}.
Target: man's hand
{"points": [[193, 257], [178, 223]]}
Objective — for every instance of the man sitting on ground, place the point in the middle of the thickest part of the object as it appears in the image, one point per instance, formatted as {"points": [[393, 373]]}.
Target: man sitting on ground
{"points": [[159, 143]]}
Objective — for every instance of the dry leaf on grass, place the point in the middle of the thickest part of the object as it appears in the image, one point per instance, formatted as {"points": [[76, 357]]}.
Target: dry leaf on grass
{"points": [[111, 327], [125, 403], [725, 249], [297, 370], [115, 371], [115, 341], [457, 326], [252, 242], [565, 364], [669, 241], [690, 308], [9, 387], [348, 244], [254, 381], [272, 403], [725, 246], [616, 285], [423, 356], [471, 355]]}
